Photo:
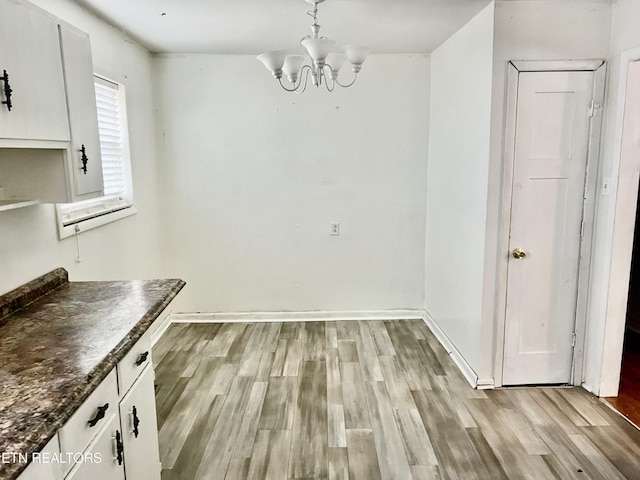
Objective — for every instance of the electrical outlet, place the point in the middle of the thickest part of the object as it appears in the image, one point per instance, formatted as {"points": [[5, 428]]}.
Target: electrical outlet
{"points": [[335, 229]]}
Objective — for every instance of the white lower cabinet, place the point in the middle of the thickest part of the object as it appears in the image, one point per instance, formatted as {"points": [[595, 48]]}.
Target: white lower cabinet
{"points": [[140, 429], [43, 466], [113, 435], [103, 458]]}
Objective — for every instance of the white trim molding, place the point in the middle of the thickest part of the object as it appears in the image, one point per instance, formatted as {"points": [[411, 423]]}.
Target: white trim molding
{"points": [[467, 372], [310, 316]]}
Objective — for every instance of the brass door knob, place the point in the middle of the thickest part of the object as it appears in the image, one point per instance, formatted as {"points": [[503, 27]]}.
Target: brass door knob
{"points": [[519, 254]]}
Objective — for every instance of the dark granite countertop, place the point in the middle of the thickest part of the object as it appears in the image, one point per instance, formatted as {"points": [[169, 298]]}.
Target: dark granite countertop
{"points": [[58, 341]]}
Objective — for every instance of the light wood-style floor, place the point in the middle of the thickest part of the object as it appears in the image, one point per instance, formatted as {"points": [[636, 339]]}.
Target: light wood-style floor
{"points": [[365, 400]]}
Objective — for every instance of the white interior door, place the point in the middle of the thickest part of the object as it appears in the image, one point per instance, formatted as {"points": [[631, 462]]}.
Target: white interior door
{"points": [[551, 147]]}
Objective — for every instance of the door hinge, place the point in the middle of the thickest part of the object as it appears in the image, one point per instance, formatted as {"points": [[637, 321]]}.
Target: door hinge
{"points": [[593, 108], [582, 228], [573, 340]]}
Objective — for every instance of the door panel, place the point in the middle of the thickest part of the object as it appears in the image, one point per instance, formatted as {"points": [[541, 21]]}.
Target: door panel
{"points": [[552, 127]]}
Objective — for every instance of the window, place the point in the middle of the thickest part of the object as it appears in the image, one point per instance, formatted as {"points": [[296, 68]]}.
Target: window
{"points": [[117, 201]]}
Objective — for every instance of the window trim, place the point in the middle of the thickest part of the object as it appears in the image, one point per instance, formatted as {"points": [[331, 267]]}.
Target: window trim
{"points": [[110, 213]]}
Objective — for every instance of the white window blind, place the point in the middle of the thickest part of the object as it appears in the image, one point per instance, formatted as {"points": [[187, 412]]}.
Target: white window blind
{"points": [[116, 172], [111, 137]]}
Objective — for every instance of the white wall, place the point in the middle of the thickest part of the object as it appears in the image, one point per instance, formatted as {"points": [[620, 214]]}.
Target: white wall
{"points": [[457, 182], [125, 249], [253, 176], [608, 300], [527, 30]]}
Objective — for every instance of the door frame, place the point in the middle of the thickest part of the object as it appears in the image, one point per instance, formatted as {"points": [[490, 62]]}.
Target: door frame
{"points": [[620, 241], [516, 67]]}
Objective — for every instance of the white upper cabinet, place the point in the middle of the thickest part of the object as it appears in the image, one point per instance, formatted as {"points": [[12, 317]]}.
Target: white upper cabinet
{"points": [[85, 161], [49, 140], [30, 55]]}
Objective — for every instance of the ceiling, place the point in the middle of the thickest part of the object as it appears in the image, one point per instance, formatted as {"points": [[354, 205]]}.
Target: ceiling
{"points": [[254, 26]]}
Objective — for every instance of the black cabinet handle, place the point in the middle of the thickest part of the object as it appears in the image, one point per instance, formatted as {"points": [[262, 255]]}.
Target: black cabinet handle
{"points": [[7, 90], [142, 358], [99, 415], [136, 422], [119, 447], [84, 160]]}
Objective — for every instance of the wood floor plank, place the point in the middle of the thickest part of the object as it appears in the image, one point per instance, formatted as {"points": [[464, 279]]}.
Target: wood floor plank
{"points": [[398, 389], [334, 385], [314, 340], [250, 419], [219, 449], [513, 457], [220, 344], [363, 459], [620, 450], [292, 359], [238, 469], [271, 456], [331, 335], [338, 463], [570, 459], [337, 432], [347, 351], [367, 354], [392, 457], [279, 358], [192, 450], [423, 472], [599, 461], [356, 412], [167, 398], [176, 428], [381, 339], [444, 429], [416, 441], [586, 405], [278, 409], [309, 454]]}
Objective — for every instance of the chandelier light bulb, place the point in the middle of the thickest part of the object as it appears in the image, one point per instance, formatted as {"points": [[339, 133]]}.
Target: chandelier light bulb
{"points": [[292, 66]]}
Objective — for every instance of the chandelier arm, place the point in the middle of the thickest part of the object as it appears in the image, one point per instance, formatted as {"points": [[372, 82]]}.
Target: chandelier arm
{"points": [[296, 89], [285, 88], [348, 84], [326, 78]]}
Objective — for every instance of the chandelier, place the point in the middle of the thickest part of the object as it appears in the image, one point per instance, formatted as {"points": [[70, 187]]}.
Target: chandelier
{"points": [[323, 65]]}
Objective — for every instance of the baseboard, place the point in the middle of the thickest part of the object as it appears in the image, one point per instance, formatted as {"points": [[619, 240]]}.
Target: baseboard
{"points": [[312, 316], [467, 372]]}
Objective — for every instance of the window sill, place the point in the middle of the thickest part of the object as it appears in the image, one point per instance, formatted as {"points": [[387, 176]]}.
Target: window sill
{"points": [[94, 222]]}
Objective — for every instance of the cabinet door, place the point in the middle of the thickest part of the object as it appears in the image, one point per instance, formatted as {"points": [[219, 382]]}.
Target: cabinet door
{"points": [[141, 452], [30, 54], [83, 115], [42, 467], [100, 459]]}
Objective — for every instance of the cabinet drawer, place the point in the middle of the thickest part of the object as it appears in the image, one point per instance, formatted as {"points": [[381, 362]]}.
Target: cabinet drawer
{"points": [[132, 364], [77, 433]]}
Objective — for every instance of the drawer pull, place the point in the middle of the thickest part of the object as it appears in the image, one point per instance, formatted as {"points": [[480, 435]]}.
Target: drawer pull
{"points": [[119, 447], [136, 421], [7, 90], [99, 415], [84, 159], [142, 358]]}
